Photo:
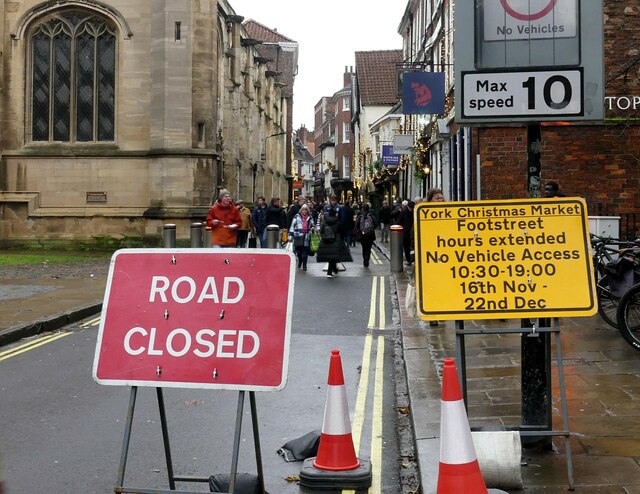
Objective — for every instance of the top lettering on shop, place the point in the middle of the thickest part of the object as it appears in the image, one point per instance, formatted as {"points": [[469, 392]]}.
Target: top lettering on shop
{"points": [[196, 318], [503, 259]]}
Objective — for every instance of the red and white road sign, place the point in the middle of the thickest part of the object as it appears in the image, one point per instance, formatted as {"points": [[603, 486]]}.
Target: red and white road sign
{"points": [[506, 20], [201, 318]]}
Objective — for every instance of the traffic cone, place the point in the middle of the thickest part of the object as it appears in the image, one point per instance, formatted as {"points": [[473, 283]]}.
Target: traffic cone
{"points": [[459, 470], [335, 450], [336, 466]]}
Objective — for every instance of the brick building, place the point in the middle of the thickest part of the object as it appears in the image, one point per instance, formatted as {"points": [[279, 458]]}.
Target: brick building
{"points": [[594, 160]]}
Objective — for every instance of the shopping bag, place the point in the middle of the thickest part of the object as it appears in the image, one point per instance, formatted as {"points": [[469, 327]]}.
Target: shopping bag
{"points": [[314, 242], [410, 300], [252, 241], [289, 247]]}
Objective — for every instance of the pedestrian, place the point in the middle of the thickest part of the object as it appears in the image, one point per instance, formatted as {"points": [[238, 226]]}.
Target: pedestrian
{"points": [[395, 212], [300, 230], [245, 225], [223, 219], [384, 216], [332, 249], [405, 220], [295, 208], [435, 195], [259, 219], [552, 189], [366, 225], [276, 215], [347, 224]]}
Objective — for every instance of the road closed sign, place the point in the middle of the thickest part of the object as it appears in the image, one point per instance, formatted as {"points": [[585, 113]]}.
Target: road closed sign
{"points": [[200, 318], [503, 259]]}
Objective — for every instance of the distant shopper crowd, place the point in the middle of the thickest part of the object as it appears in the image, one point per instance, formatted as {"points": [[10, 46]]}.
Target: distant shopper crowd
{"points": [[325, 230]]}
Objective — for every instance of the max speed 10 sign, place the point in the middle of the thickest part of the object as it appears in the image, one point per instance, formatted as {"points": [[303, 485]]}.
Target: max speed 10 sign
{"points": [[202, 318], [503, 259]]}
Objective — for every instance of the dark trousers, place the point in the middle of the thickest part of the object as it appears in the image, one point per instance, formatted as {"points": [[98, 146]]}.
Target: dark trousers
{"points": [[366, 241], [406, 245], [348, 238], [302, 253], [241, 238], [333, 267]]}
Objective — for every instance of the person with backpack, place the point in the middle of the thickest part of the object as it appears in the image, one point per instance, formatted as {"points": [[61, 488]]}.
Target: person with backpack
{"points": [[366, 225]]}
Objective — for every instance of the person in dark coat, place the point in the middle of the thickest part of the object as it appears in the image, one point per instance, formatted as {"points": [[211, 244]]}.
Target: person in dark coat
{"points": [[406, 221], [347, 223], [332, 249], [385, 220], [395, 212], [295, 209], [276, 215], [259, 220], [366, 226]]}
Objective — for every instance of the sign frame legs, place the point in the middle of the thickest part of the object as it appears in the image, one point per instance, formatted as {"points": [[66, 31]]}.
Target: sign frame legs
{"points": [[120, 488], [529, 332]]}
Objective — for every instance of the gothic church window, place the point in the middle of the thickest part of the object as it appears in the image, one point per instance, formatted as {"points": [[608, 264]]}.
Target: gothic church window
{"points": [[73, 65]]}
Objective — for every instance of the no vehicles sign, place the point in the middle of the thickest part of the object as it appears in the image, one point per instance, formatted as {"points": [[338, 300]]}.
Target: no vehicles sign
{"points": [[529, 19], [503, 259], [203, 318]]}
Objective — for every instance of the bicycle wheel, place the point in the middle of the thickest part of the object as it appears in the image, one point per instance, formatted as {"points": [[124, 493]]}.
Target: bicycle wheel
{"points": [[607, 302], [629, 316]]}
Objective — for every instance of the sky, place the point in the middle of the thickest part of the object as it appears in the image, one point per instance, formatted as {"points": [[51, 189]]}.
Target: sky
{"points": [[328, 33]]}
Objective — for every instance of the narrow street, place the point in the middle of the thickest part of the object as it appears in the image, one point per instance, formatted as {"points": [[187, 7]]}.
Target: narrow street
{"points": [[72, 428]]}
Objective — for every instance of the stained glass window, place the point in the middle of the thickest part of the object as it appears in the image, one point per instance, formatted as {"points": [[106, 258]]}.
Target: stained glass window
{"points": [[73, 79]]}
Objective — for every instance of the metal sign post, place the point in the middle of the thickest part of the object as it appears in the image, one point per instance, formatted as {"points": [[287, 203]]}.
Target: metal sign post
{"points": [[526, 259]]}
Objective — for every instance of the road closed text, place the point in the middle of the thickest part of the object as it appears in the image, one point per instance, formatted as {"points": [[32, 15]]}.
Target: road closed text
{"points": [[197, 317], [224, 343]]}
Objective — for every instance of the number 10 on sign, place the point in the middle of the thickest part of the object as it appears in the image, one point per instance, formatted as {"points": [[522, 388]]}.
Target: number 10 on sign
{"points": [[518, 94]]}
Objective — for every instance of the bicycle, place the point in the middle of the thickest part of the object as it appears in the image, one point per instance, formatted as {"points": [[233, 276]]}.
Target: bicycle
{"points": [[628, 316], [617, 268]]}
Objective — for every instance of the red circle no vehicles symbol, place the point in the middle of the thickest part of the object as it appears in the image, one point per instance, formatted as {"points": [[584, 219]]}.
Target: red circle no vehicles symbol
{"points": [[533, 16]]}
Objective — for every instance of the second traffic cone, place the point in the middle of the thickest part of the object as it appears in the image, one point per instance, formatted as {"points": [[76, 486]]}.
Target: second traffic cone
{"points": [[459, 470], [336, 450]]}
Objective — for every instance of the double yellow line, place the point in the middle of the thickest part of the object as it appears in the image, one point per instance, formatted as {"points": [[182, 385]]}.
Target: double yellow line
{"points": [[92, 322], [31, 345], [377, 306], [375, 259], [377, 303]]}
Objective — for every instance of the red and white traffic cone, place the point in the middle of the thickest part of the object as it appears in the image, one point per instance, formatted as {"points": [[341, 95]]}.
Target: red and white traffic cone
{"points": [[335, 450], [459, 469], [336, 465]]}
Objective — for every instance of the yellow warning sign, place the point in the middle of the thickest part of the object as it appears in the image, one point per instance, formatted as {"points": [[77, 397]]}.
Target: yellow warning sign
{"points": [[503, 259]]}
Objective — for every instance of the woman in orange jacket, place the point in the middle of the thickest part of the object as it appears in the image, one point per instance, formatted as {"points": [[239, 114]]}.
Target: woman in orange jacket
{"points": [[224, 220]]}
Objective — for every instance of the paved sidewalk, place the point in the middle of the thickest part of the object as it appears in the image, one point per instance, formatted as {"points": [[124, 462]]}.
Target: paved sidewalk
{"points": [[29, 306], [602, 380], [602, 377]]}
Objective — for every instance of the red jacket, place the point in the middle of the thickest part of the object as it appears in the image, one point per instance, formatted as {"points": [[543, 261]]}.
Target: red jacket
{"points": [[221, 234]]}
